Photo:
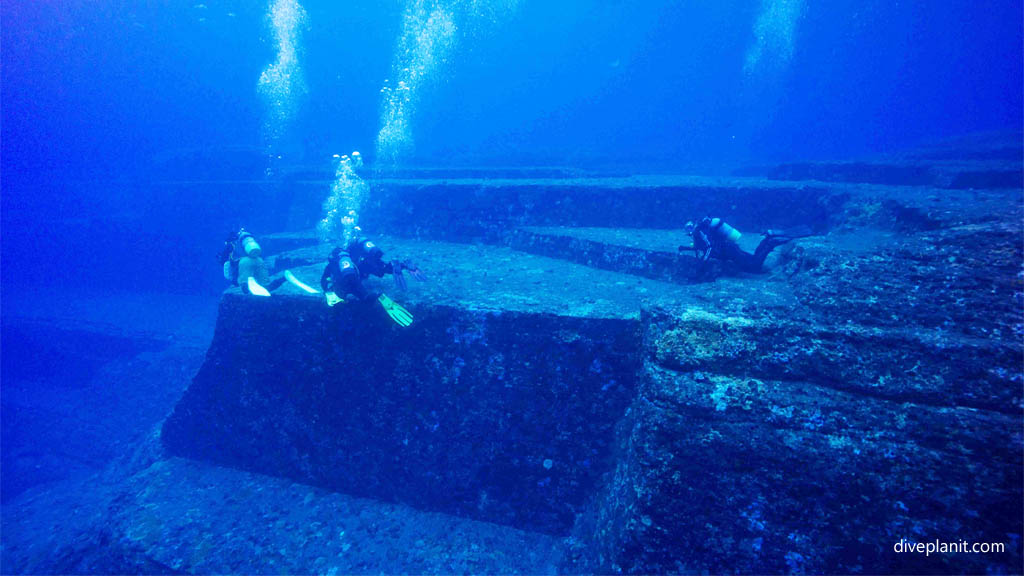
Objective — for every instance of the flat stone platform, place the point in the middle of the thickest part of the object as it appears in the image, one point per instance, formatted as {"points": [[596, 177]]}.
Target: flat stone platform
{"points": [[185, 517], [487, 277]]}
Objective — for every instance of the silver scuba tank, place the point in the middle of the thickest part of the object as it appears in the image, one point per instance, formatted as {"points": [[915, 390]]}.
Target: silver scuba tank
{"points": [[724, 231], [250, 246]]}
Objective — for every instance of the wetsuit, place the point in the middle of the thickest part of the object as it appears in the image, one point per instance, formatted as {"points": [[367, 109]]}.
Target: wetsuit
{"points": [[348, 267], [369, 259], [711, 240], [342, 277]]}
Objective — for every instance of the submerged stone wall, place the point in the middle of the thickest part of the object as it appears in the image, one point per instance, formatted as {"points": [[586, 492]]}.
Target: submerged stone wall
{"points": [[489, 211], [740, 456], [668, 265], [1004, 175], [506, 417]]}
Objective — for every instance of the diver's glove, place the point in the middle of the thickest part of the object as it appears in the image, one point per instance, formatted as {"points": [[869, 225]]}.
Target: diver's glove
{"points": [[414, 270], [397, 266], [400, 315], [396, 272], [333, 299]]}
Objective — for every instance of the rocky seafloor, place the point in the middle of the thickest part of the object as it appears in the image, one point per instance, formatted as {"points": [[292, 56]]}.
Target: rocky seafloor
{"points": [[568, 401]]}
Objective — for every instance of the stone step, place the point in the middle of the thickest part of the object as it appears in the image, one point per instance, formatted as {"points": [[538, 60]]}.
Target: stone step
{"points": [[643, 252], [275, 244], [980, 175], [793, 475], [324, 172], [657, 254], [938, 278], [652, 253], [977, 161], [979, 146], [931, 367], [647, 213], [900, 335], [186, 517], [489, 277], [488, 209]]}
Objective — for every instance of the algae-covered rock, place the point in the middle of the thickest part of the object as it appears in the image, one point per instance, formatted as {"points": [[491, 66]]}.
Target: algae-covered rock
{"points": [[880, 406], [924, 366], [706, 343], [722, 474], [460, 413]]}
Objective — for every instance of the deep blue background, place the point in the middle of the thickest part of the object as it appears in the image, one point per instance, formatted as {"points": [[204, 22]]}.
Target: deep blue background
{"points": [[101, 91]]}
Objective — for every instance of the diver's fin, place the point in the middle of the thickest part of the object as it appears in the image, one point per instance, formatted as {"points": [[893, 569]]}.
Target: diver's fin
{"points": [[255, 288], [791, 233], [333, 299], [291, 278], [400, 315]]}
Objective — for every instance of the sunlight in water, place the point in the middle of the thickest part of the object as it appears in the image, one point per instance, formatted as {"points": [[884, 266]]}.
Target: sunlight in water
{"points": [[427, 39], [281, 84], [489, 11], [774, 35], [341, 209]]}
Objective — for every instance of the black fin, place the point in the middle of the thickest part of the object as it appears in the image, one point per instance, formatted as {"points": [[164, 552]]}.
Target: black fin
{"points": [[792, 233]]}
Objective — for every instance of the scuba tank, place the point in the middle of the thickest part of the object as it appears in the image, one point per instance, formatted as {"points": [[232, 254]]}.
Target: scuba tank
{"points": [[249, 244], [723, 231]]}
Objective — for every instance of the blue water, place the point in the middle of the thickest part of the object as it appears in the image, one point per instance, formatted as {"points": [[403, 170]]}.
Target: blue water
{"points": [[104, 92], [135, 135]]}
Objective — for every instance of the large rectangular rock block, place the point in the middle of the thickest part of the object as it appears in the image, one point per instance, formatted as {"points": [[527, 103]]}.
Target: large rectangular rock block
{"points": [[506, 417], [922, 366], [641, 252], [723, 474], [1004, 174], [458, 210]]}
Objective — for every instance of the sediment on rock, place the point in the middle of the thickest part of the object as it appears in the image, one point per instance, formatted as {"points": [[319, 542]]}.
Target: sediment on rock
{"points": [[738, 472], [500, 416]]}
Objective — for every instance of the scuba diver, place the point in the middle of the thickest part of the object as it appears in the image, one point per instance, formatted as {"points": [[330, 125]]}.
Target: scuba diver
{"points": [[348, 267], [248, 272], [714, 239]]}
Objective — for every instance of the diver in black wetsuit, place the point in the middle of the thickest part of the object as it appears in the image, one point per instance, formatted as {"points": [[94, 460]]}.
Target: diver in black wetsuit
{"points": [[714, 239], [347, 267]]}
